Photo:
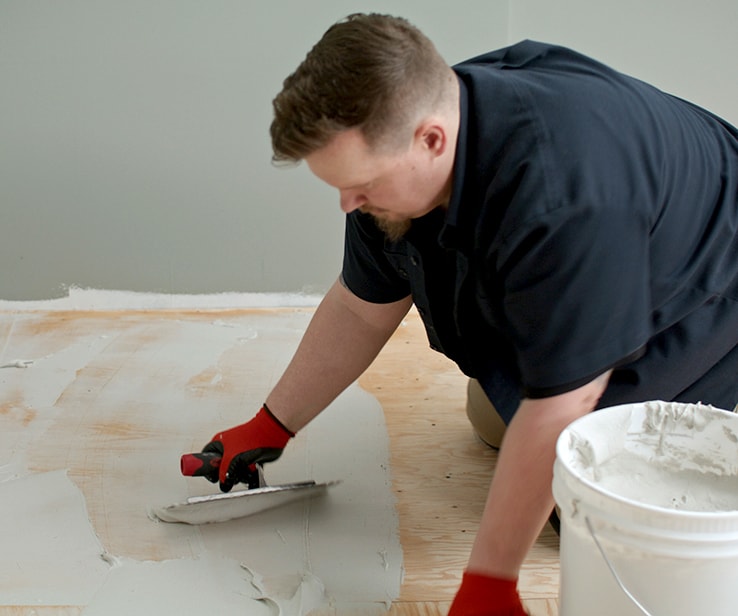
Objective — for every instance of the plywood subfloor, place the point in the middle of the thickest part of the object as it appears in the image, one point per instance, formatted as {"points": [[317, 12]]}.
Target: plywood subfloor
{"points": [[440, 470]]}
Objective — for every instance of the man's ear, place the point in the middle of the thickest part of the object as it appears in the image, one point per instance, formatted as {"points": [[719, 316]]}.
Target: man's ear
{"points": [[432, 137]]}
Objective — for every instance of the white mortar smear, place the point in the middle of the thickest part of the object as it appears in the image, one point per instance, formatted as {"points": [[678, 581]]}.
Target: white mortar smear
{"points": [[186, 587], [116, 399], [49, 554]]}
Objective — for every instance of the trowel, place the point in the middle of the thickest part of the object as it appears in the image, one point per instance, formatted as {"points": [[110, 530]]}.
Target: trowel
{"points": [[236, 504]]}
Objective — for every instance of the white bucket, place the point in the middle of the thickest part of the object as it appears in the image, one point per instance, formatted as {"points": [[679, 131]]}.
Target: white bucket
{"points": [[649, 511]]}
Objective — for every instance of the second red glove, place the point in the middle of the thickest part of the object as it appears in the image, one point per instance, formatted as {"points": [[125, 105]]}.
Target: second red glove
{"points": [[482, 595]]}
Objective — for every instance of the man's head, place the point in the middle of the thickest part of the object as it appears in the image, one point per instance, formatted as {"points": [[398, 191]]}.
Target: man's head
{"points": [[373, 110], [372, 72]]}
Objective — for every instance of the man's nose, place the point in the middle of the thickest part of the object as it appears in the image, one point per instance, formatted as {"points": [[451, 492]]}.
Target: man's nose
{"points": [[351, 200]]}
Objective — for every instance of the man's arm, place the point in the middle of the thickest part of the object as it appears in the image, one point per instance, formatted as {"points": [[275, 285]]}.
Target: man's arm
{"points": [[520, 498], [344, 336]]}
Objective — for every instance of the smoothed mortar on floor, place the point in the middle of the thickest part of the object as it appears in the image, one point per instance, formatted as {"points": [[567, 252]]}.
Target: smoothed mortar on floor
{"points": [[113, 401]]}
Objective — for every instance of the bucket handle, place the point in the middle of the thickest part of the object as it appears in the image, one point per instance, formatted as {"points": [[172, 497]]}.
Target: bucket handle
{"points": [[611, 567]]}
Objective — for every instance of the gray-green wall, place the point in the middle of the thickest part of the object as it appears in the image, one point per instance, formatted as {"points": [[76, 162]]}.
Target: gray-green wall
{"points": [[134, 150]]}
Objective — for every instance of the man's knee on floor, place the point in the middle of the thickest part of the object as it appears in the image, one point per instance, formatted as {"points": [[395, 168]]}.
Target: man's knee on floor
{"points": [[483, 415]]}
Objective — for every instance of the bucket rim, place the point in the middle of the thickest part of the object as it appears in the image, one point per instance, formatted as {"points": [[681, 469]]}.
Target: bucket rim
{"points": [[677, 514]]}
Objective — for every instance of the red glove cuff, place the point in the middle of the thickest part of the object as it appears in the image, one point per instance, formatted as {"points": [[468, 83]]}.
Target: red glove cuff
{"points": [[264, 430], [482, 595], [267, 411]]}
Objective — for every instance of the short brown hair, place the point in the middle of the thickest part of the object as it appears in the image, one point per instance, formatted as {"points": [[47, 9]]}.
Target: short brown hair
{"points": [[370, 71]]}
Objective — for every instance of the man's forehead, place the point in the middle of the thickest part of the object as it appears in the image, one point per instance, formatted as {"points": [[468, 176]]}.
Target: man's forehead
{"points": [[346, 161]]}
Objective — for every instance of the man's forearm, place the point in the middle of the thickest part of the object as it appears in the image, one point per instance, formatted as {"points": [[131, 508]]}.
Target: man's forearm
{"points": [[342, 339], [520, 499]]}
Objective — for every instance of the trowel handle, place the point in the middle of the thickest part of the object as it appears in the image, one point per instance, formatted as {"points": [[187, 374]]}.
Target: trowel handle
{"points": [[200, 464], [208, 464]]}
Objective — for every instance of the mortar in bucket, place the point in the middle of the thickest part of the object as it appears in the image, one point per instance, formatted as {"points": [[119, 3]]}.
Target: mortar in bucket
{"points": [[649, 511]]}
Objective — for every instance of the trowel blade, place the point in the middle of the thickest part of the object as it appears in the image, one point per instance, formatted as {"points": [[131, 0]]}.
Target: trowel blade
{"points": [[238, 504]]}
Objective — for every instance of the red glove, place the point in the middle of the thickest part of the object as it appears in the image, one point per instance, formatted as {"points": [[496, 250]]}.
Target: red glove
{"points": [[481, 595], [260, 440]]}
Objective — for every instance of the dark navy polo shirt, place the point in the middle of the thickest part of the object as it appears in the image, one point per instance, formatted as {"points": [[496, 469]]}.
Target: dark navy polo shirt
{"points": [[593, 225]]}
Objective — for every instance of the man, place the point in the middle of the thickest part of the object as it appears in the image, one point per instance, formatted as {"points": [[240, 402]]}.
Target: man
{"points": [[567, 233]]}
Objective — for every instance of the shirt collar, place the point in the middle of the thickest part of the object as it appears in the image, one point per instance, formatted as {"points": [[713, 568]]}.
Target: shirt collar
{"points": [[449, 236]]}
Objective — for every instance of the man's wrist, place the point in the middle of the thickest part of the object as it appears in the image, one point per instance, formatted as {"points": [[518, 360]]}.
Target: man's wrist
{"points": [[276, 420]]}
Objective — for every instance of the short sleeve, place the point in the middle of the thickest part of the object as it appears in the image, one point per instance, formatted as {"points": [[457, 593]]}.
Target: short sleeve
{"points": [[367, 271]]}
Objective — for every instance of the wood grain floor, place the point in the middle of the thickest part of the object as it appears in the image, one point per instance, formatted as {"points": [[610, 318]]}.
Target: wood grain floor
{"points": [[440, 473]]}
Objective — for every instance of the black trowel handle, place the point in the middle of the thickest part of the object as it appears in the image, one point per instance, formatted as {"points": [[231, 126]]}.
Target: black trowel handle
{"points": [[207, 464], [200, 464]]}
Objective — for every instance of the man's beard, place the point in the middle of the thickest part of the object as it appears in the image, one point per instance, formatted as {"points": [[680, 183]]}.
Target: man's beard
{"points": [[394, 230]]}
